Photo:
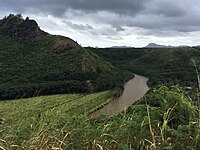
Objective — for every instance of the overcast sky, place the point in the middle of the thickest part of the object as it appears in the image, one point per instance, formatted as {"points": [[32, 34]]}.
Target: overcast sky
{"points": [[105, 23]]}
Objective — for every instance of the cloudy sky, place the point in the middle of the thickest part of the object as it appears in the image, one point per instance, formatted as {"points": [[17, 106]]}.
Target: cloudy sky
{"points": [[105, 23]]}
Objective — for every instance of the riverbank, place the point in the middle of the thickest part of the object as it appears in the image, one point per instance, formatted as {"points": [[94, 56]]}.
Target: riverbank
{"points": [[134, 90]]}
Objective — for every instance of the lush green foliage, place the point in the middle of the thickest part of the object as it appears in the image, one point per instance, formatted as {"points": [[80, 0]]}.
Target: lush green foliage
{"points": [[165, 119], [41, 64], [36, 63], [23, 119], [168, 65]]}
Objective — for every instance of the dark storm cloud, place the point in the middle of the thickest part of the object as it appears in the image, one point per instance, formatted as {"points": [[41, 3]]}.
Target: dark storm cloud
{"points": [[152, 15], [58, 7], [168, 8]]}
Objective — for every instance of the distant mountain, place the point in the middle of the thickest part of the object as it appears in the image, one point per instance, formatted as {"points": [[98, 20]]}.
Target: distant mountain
{"points": [[120, 46], [183, 46], [154, 45], [33, 62]]}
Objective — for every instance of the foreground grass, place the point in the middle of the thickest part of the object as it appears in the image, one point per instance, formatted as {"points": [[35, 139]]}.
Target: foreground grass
{"points": [[167, 118], [22, 119]]}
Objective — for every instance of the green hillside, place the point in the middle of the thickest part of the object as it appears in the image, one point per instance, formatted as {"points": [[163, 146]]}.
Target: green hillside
{"points": [[33, 63], [166, 65], [166, 118], [22, 119]]}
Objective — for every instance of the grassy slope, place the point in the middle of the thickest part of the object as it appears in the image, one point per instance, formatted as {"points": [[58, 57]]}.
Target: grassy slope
{"points": [[23, 118], [165, 119]]}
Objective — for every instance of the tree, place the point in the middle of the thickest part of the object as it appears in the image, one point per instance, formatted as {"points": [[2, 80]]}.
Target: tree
{"points": [[19, 15]]}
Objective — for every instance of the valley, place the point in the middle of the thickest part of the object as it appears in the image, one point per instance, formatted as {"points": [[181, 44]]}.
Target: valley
{"points": [[56, 94]]}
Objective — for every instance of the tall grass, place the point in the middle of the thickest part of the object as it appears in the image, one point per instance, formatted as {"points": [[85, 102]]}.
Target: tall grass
{"points": [[194, 62], [165, 119]]}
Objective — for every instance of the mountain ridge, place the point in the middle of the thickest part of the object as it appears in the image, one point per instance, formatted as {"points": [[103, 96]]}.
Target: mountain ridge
{"points": [[155, 45]]}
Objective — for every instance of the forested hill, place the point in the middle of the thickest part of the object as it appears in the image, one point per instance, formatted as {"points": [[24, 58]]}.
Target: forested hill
{"points": [[33, 62], [169, 66]]}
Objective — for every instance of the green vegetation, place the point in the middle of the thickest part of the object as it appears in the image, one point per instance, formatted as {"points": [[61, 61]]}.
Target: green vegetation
{"points": [[165, 119], [170, 66], [36, 63], [25, 118]]}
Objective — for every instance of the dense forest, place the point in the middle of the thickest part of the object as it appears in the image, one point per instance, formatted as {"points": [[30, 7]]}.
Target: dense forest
{"points": [[169, 66]]}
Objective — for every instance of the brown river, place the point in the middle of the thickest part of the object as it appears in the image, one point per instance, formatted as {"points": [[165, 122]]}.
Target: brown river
{"points": [[134, 90]]}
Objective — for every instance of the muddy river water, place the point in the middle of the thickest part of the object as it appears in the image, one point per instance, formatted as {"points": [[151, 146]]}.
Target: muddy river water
{"points": [[134, 90]]}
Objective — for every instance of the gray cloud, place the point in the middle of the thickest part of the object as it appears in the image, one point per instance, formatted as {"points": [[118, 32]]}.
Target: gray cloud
{"points": [[59, 7], [168, 8], [78, 26], [118, 28], [111, 18]]}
